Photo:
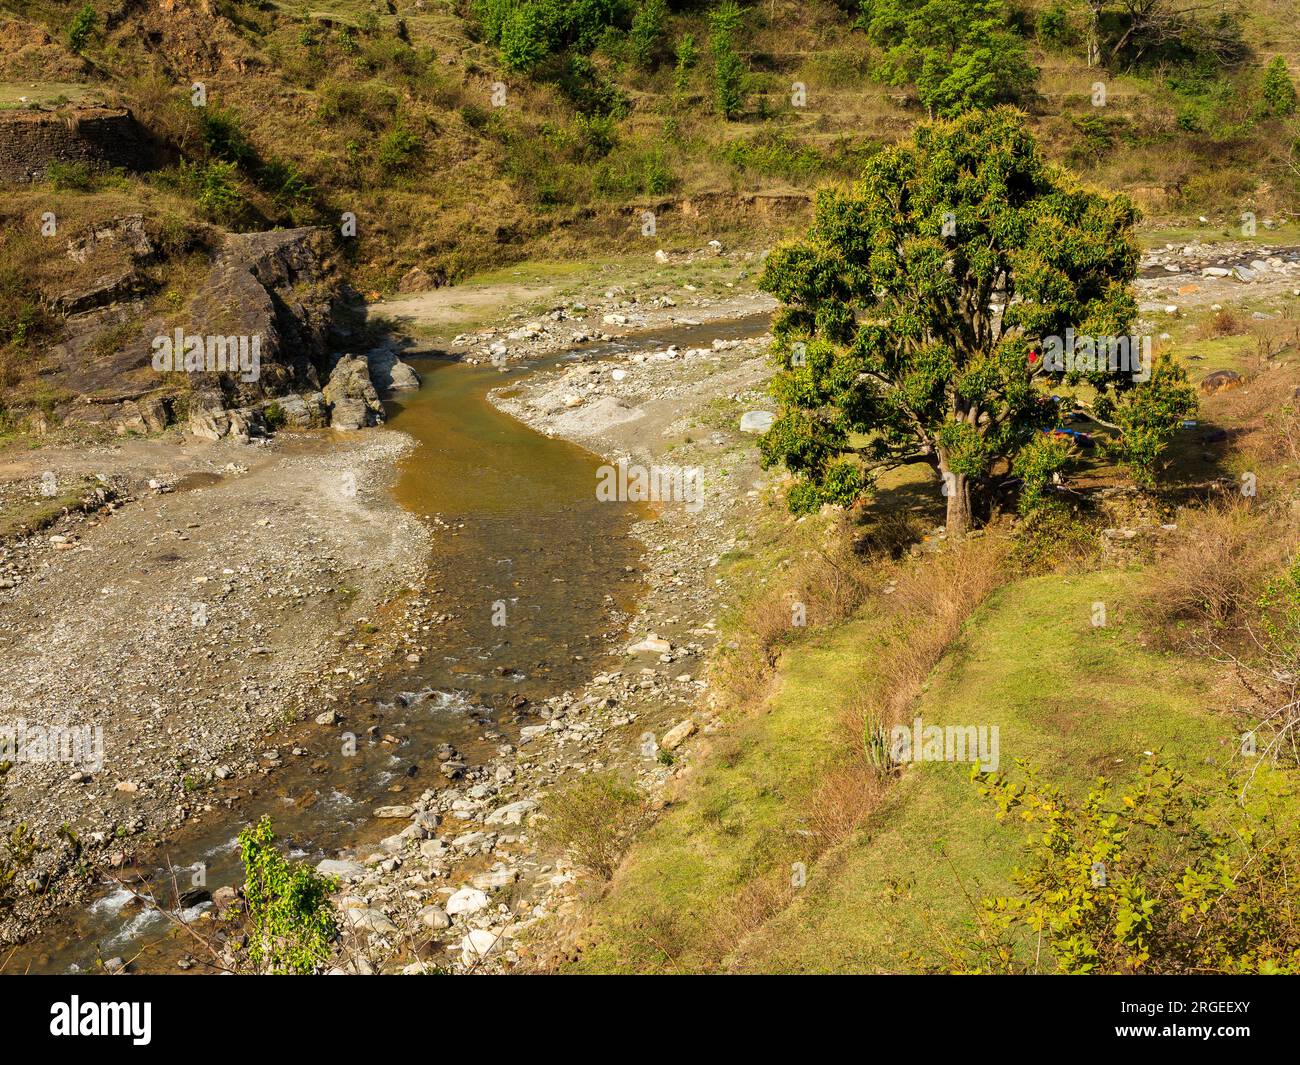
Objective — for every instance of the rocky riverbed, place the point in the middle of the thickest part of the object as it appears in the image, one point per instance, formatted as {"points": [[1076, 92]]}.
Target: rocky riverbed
{"points": [[201, 596], [462, 883]]}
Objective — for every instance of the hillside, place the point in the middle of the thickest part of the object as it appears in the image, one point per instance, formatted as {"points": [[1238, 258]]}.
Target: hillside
{"points": [[387, 113]]}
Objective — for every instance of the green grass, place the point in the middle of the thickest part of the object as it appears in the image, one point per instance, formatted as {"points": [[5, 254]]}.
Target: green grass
{"points": [[741, 817], [1074, 700]]}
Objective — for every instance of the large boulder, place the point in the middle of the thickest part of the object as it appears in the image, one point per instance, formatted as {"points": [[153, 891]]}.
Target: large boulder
{"points": [[351, 396], [1220, 381], [390, 373]]}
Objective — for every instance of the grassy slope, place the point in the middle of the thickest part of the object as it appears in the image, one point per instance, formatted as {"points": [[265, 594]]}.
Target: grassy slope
{"points": [[1075, 700]]}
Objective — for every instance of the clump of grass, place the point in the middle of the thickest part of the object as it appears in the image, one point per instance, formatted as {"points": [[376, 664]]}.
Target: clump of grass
{"points": [[593, 820], [1210, 571]]}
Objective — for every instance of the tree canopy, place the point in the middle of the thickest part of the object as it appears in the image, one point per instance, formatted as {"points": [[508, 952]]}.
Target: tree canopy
{"points": [[915, 310]]}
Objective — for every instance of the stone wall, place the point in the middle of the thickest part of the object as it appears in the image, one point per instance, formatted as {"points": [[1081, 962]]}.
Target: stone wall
{"points": [[99, 136]]}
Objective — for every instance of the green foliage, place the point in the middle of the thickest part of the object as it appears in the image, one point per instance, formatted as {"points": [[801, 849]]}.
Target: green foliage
{"points": [[222, 137], [1053, 28], [687, 57], [83, 24], [290, 921], [592, 819], [1162, 878], [728, 70], [958, 53], [1149, 416], [214, 186], [527, 32], [1277, 89], [1036, 465], [399, 146], [889, 294], [647, 33], [64, 176]]}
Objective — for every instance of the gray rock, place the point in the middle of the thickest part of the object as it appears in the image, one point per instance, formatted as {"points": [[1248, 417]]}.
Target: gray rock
{"points": [[351, 396]]}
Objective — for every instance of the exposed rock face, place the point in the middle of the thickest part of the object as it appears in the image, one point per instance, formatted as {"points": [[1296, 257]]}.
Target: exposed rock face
{"points": [[303, 411], [276, 286], [351, 396]]}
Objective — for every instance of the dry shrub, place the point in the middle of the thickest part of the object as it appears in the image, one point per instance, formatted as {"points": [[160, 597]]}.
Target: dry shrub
{"points": [[1224, 323], [933, 599], [593, 819], [844, 797], [1210, 570], [1268, 412]]}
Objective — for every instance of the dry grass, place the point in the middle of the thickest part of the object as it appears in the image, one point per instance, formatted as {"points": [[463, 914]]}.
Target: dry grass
{"points": [[1209, 572], [932, 600]]}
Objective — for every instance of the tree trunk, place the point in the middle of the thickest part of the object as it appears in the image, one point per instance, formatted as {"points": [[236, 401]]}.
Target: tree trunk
{"points": [[959, 514]]}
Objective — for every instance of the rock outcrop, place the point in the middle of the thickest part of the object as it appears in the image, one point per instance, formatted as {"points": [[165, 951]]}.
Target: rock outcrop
{"points": [[389, 373], [351, 396]]}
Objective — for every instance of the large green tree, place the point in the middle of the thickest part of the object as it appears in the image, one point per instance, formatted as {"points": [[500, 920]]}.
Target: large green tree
{"points": [[915, 310]]}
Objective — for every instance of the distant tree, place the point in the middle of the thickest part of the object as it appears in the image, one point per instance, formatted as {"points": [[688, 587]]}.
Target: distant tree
{"points": [[1278, 89], [1122, 33], [647, 33], [960, 54], [728, 70], [527, 32], [83, 24], [913, 310]]}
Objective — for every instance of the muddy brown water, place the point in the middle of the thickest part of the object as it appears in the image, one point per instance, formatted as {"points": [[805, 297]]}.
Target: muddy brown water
{"points": [[518, 536]]}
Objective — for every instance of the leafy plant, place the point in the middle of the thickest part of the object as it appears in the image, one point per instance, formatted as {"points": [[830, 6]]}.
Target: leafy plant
{"points": [[1277, 89], [291, 923], [960, 54], [1160, 878], [646, 34], [728, 70], [83, 24]]}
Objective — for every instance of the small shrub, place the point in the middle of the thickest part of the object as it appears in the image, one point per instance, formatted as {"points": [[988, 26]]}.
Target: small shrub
{"points": [[1277, 89], [1210, 570], [65, 176], [83, 25], [593, 819], [1163, 878], [290, 920]]}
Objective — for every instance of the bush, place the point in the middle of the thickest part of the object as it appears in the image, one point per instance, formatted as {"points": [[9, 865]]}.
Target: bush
{"points": [[1053, 27], [647, 32], [1278, 89], [64, 176], [290, 921], [398, 148], [593, 819], [84, 23], [1164, 878], [1210, 569], [959, 56]]}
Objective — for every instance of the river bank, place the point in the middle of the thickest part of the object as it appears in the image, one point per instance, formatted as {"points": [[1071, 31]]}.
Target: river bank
{"points": [[208, 595]]}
